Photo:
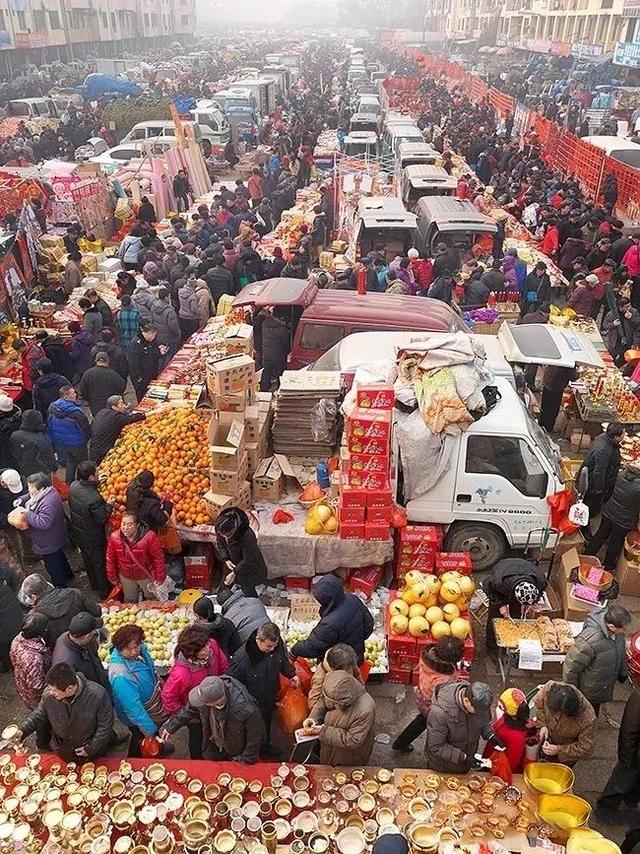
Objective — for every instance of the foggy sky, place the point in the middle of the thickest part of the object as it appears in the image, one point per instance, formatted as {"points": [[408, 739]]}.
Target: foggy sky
{"points": [[246, 12]]}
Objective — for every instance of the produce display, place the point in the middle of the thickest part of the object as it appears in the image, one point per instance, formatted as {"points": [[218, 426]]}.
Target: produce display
{"points": [[529, 252], [173, 445], [126, 112], [432, 606], [161, 628], [321, 518], [630, 448], [601, 394], [375, 652], [554, 635]]}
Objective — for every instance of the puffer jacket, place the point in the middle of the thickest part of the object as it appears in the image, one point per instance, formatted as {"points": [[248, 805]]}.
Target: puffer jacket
{"points": [[260, 671], [452, 733], [596, 660], [31, 660], [129, 249], [185, 675], [205, 301], [349, 715], [60, 606], [431, 674], [165, 320], [67, 424], [317, 682], [84, 721], [603, 463], [89, 513], [188, 302], [142, 558], [9, 423], [31, 446], [47, 522], [245, 612], [629, 735], [237, 729], [343, 619], [144, 301], [46, 390], [133, 682], [624, 505], [11, 611], [575, 736], [243, 552], [82, 659], [504, 578], [81, 344]]}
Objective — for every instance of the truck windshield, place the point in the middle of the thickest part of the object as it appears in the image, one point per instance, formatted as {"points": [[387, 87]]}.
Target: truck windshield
{"points": [[544, 443]]}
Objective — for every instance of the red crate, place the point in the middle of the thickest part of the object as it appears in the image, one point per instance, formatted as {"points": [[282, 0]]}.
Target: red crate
{"points": [[399, 677], [351, 515], [196, 576], [421, 534], [297, 582], [377, 531], [379, 514], [415, 677], [458, 561], [423, 563], [351, 531], [404, 662], [364, 580]]}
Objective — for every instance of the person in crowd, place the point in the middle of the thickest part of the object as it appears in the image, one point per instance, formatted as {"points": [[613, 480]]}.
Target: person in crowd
{"points": [[127, 321], [10, 419], [143, 300], [582, 299], [206, 305], [117, 356], [73, 273], [146, 212], [189, 311], [476, 292], [144, 359], [343, 619], [58, 354], [442, 288], [566, 721], [135, 687], [446, 260], [598, 659], [107, 426], [247, 613], [130, 248], [554, 382], [81, 343], [135, 558], [259, 664], [624, 782], [514, 586], [46, 388], [149, 508], [536, 291], [275, 346], [438, 665], [11, 614], [621, 329], [79, 713], [31, 660], [181, 190], [218, 627], [514, 727], [344, 720], [91, 319], [196, 657], [237, 548], [220, 279], [44, 514], [58, 605], [165, 320], [619, 516], [602, 465], [29, 353], [340, 656], [89, 513], [100, 305], [78, 647], [11, 486], [125, 284], [100, 383], [231, 722], [520, 268], [460, 715], [69, 430]]}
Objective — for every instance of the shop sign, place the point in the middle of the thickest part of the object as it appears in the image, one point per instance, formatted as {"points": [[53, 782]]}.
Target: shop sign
{"points": [[27, 40], [631, 9], [627, 54], [586, 51], [5, 39], [560, 48]]}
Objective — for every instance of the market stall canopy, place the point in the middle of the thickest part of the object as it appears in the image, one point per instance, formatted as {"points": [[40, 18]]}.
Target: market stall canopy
{"points": [[277, 292], [543, 344]]}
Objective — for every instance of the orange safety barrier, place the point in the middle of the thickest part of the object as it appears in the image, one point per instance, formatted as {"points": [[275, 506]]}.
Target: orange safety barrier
{"points": [[501, 103]]}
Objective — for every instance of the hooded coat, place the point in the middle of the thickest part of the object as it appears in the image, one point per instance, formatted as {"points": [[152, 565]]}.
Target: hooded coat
{"points": [[245, 612], [506, 574], [46, 390], [317, 682], [602, 463], [236, 730], [144, 301], [144, 361], [60, 606], [575, 736], [133, 682], [98, 384], [188, 302], [165, 320], [452, 733], [343, 619], [223, 632], [9, 424], [624, 505], [260, 671], [117, 357], [47, 522], [67, 424], [431, 674], [84, 721], [81, 345], [88, 513], [349, 715], [106, 428], [596, 660], [243, 551], [185, 675], [130, 248], [11, 611]]}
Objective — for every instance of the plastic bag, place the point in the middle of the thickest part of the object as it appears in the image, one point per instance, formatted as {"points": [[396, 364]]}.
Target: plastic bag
{"points": [[170, 539], [322, 415], [304, 674], [60, 487], [115, 594], [149, 747], [292, 709], [560, 502], [17, 518], [161, 590], [500, 766]]}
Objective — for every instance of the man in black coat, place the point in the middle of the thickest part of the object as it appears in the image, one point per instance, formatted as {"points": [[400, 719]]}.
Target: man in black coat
{"points": [[258, 665], [514, 585], [624, 783], [89, 513], [57, 354], [31, 446], [46, 389], [343, 619], [59, 605], [220, 280], [619, 516], [602, 463], [78, 647], [107, 426], [445, 260], [11, 614], [536, 292], [100, 383], [275, 346], [10, 418], [117, 356], [144, 359]]}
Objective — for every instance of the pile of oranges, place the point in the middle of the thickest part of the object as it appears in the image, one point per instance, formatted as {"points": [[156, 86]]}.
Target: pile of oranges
{"points": [[173, 445]]}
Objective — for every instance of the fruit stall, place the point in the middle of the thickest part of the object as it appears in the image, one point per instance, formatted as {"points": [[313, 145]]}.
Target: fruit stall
{"points": [[172, 806]]}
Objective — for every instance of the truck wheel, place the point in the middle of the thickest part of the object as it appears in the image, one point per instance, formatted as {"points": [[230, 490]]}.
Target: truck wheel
{"points": [[485, 544]]}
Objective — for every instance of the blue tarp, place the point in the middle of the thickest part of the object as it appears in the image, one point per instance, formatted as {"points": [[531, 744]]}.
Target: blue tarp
{"points": [[97, 85], [184, 104]]}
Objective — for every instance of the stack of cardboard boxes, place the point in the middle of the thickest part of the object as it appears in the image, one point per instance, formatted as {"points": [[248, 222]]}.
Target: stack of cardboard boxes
{"points": [[365, 462]]}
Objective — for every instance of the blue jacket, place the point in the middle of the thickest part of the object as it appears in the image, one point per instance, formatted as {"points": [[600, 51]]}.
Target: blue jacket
{"points": [[67, 424], [521, 272], [343, 619], [133, 683]]}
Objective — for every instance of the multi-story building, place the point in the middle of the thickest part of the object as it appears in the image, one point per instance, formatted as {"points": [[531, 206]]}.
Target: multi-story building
{"points": [[42, 31], [474, 19], [627, 50]]}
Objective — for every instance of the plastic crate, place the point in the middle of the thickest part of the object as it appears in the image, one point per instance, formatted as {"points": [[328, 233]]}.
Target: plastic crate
{"points": [[298, 582]]}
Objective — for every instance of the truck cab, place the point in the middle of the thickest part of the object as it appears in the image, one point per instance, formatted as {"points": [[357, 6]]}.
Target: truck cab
{"points": [[419, 181]]}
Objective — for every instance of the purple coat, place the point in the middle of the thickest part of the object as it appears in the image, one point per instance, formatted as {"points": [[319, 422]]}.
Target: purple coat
{"points": [[47, 523], [509, 268], [81, 350]]}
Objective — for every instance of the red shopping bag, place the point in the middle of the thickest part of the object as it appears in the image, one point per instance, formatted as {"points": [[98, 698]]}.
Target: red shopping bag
{"points": [[292, 710], [60, 487]]}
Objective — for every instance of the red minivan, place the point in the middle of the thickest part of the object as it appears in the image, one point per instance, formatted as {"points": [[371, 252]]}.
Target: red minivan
{"points": [[320, 318]]}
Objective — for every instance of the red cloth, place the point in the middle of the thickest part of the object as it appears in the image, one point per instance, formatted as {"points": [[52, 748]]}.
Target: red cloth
{"points": [[142, 560], [423, 271], [515, 740], [550, 241], [184, 676]]}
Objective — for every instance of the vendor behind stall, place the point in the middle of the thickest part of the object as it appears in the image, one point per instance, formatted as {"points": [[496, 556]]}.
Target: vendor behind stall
{"points": [[237, 548], [514, 585]]}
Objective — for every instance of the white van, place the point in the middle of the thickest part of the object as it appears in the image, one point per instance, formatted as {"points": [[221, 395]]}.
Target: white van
{"points": [[618, 147], [386, 221], [394, 135], [369, 104], [493, 495], [419, 181], [217, 135], [416, 154], [33, 108], [110, 161], [361, 143]]}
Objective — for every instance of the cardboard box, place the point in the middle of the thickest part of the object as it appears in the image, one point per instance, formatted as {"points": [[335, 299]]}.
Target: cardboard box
{"points": [[297, 582], [227, 482], [226, 439], [421, 534], [268, 481], [351, 515], [398, 676], [363, 463], [628, 575], [379, 496], [379, 514], [369, 424], [255, 454], [351, 531], [239, 339], [352, 496], [376, 531], [457, 561], [372, 480], [364, 580], [378, 396], [359, 445], [230, 375], [572, 608], [244, 495], [217, 502], [251, 424], [231, 402]]}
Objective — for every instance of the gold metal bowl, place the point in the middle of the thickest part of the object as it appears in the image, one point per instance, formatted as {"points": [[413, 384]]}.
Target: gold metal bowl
{"points": [[548, 778], [563, 813]]}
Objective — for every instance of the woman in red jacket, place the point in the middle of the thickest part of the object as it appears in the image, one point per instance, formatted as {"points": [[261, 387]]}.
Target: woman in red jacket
{"points": [[514, 727], [135, 558], [196, 656]]}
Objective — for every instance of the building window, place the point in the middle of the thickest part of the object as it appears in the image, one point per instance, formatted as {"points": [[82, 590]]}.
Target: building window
{"points": [[54, 21], [105, 20], [2, 26], [146, 19], [154, 20], [22, 21], [184, 19], [39, 20]]}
